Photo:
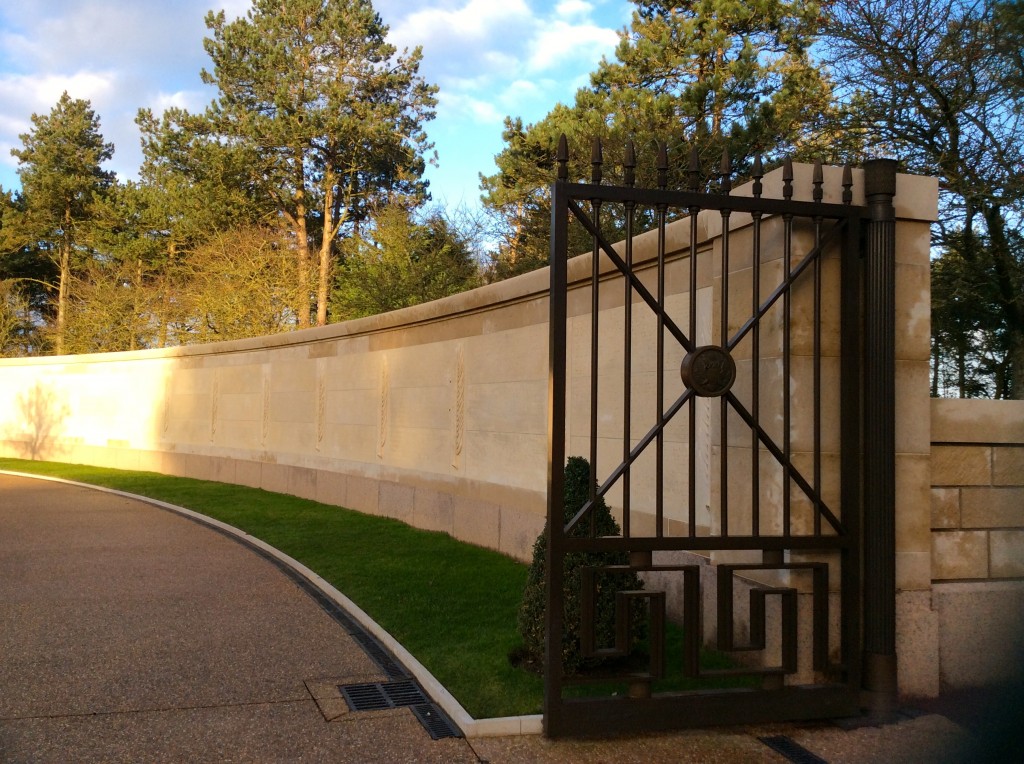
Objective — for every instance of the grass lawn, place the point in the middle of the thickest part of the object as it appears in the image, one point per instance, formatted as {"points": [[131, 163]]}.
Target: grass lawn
{"points": [[452, 605]]}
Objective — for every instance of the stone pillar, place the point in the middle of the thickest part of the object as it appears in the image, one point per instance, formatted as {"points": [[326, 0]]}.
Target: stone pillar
{"points": [[879, 437]]}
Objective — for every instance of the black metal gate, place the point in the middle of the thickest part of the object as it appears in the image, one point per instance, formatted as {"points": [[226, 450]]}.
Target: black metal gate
{"points": [[712, 370]]}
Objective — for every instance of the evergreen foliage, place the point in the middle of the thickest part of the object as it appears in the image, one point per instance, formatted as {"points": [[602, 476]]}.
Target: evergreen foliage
{"points": [[60, 167], [531, 612], [330, 114], [711, 75]]}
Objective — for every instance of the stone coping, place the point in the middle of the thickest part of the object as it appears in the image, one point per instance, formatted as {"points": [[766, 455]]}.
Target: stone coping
{"points": [[977, 420], [470, 727]]}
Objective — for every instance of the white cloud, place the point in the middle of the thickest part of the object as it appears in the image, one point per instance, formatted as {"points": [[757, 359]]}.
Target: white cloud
{"points": [[562, 42], [568, 8], [479, 111]]}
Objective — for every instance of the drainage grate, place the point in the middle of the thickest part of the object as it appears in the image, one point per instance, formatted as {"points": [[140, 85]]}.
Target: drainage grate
{"points": [[380, 696], [375, 696], [791, 749], [434, 721], [379, 655]]}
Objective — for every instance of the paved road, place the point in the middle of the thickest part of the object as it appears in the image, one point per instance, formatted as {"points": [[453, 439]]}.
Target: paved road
{"points": [[129, 633]]}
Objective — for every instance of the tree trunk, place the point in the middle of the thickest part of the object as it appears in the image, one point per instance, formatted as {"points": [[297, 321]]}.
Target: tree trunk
{"points": [[302, 256], [1017, 366], [64, 282], [326, 246]]}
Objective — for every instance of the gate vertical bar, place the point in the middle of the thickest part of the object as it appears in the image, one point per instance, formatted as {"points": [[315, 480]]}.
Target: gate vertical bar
{"points": [[851, 425], [879, 437], [555, 610]]}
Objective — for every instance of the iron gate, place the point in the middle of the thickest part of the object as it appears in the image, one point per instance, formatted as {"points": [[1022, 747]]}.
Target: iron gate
{"points": [[716, 386]]}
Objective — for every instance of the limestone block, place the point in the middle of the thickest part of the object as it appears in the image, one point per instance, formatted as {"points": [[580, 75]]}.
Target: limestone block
{"points": [[977, 421], [396, 501], [352, 407], [913, 309], [959, 554], [1007, 551], [248, 473], [274, 477], [945, 507], [476, 522], [992, 507], [504, 356], [331, 488], [913, 420], [913, 506], [224, 469], [913, 571], [1008, 465], [981, 632], [362, 494], [433, 511], [519, 531], [507, 407], [422, 449], [961, 465], [302, 482], [357, 443], [917, 645], [518, 460]]}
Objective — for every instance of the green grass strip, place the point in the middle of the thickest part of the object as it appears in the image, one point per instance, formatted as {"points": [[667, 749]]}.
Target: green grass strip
{"points": [[452, 605]]}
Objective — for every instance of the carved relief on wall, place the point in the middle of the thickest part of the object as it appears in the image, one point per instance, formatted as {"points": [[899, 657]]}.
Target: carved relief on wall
{"points": [[382, 423], [459, 418]]}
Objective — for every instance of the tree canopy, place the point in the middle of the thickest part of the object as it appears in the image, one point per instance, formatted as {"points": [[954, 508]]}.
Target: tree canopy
{"points": [[62, 180], [938, 84], [710, 75], [330, 113]]}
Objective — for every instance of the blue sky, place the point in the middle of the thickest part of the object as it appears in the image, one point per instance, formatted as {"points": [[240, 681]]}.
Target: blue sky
{"points": [[491, 58]]}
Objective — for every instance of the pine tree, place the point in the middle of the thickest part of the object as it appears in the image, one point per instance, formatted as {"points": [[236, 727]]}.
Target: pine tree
{"points": [[61, 181], [332, 115]]}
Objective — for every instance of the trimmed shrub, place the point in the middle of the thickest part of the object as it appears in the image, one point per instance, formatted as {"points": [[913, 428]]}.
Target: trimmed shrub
{"points": [[531, 611]]}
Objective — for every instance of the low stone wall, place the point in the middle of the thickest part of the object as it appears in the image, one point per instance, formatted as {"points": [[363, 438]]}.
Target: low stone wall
{"points": [[977, 513]]}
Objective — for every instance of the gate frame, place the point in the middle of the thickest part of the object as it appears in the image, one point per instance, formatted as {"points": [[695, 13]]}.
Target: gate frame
{"points": [[868, 474]]}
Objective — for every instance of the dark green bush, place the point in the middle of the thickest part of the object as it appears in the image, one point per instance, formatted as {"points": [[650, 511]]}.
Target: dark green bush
{"points": [[531, 611]]}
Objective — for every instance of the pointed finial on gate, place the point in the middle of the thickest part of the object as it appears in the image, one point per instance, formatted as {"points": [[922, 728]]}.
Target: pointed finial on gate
{"points": [[662, 164], [847, 185], [817, 181], [758, 173], [596, 161], [787, 178], [694, 171], [724, 173], [629, 164], [562, 157]]}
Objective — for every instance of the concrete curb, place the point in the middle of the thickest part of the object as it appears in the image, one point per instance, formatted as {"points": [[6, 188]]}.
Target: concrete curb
{"points": [[471, 728]]}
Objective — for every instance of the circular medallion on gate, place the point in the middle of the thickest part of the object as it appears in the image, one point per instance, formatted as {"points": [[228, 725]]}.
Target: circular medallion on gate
{"points": [[709, 371]]}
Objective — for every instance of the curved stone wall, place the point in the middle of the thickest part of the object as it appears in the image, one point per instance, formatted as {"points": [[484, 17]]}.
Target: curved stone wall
{"points": [[435, 415]]}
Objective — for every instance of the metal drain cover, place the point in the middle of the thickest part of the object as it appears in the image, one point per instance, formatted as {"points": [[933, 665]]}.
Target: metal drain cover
{"points": [[375, 696], [791, 749], [379, 696]]}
